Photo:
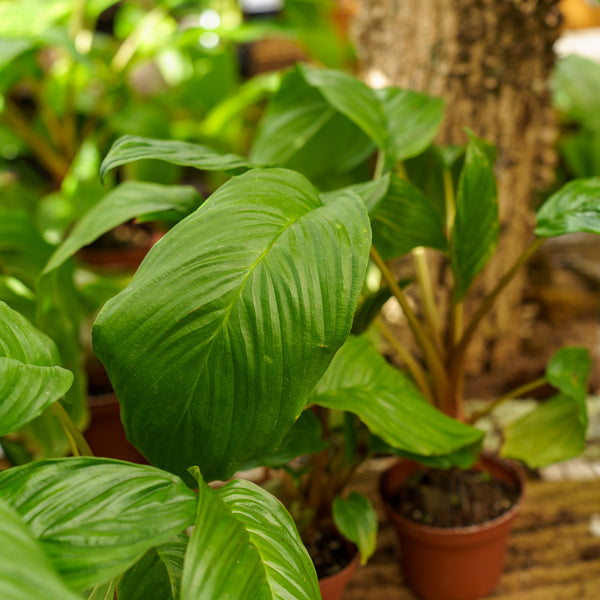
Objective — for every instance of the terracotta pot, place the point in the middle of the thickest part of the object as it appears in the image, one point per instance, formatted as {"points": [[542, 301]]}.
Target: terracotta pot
{"points": [[334, 586], [106, 435], [459, 563]]}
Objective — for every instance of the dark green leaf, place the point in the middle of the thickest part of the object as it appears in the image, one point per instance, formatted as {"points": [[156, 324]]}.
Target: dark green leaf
{"points": [[130, 148], [406, 219], [352, 98], [96, 517], [242, 304], [359, 380], [31, 377], [125, 202], [413, 120], [574, 208], [303, 438], [26, 573], [302, 131], [475, 231], [157, 576], [356, 519], [260, 554], [102, 591]]}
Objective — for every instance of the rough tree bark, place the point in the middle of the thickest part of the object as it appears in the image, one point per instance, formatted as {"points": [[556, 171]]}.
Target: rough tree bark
{"points": [[490, 60]]}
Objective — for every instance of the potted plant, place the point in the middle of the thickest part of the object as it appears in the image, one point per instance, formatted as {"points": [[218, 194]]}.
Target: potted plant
{"points": [[462, 225]]}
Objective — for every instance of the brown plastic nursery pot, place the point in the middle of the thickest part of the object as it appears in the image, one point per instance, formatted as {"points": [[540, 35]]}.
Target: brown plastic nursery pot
{"points": [[334, 586], [459, 563]]}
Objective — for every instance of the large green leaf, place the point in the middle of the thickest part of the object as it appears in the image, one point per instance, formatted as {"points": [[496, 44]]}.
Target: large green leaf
{"points": [[245, 545], [405, 219], [413, 120], [231, 320], [356, 519], [574, 208], [157, 576], [129, 200], [360, 381], [554, 431], [102, 591], [476, 226], [26, 573], [31, 377], [352, 98], [303, 131], [96, 517], [371, 192], [130, 148]]}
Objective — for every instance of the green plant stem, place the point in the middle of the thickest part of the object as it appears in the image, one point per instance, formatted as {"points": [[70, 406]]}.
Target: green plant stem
{"points": [[516, 393], [456, 367], [78, 443], [418, 374], [430, 311], [379, 165], [431, 356], [449, 200], [57, 166]]}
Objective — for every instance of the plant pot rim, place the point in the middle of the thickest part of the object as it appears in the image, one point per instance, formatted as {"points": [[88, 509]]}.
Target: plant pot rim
{"points": [[515, 471], [333, 585]]}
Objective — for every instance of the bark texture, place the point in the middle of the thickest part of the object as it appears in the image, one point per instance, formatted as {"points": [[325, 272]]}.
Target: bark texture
{"points": [[490, 60]]}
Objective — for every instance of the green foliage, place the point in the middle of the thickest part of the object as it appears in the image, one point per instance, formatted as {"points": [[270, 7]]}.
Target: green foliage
{"points": [[356, 519]]}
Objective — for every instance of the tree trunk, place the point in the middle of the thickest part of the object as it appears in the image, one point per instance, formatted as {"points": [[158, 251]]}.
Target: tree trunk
{"points": [[490, 60]]}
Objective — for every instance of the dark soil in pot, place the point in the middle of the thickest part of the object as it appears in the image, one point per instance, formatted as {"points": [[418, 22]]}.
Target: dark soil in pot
{"points": [[453, 498], [335, 561]]}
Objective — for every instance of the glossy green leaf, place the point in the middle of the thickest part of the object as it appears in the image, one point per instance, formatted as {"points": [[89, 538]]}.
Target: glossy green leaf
{"points": [[26, 573], [359, 380], [243, 304], [555, 431], [125, 202], [130, 148], [31, 377], [476, 227], [352, 98], [405, 219], [303, 438], [102, 591], [302, 131], [96, 517], [413, 120], [371, 192], [356, 519], [246, 545], [574, 208], [157, 576]]}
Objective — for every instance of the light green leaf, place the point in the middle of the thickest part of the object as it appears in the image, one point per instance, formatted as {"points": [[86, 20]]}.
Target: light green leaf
{"points": [[413, 120], [551, 433], [360, 381], [243, 304], [31, 377], [11, 48], [26, 573], [352, 98], [356, 519], [28, 18], [260, 554], [130, 148], [405, 219], [303, 131], [574, 208], [476, 227], [157, 576], [555, 431], [129, 200], [96, 517], [102, 591], [371, 192]]}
